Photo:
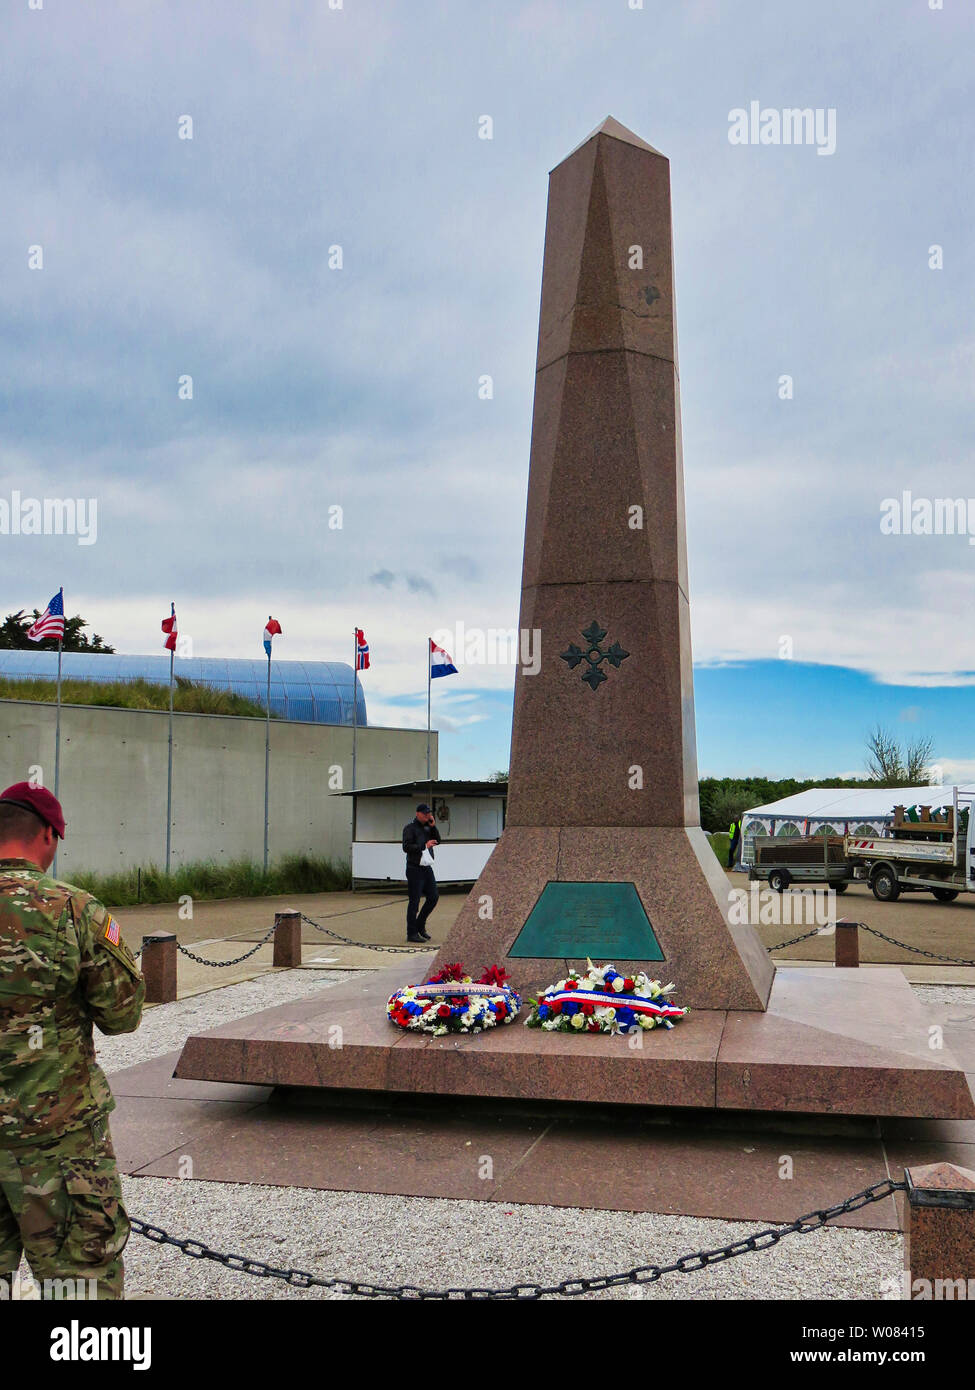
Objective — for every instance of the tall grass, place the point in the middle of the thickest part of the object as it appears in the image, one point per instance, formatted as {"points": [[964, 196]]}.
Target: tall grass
{"points": [[240, 878], [189, 697]]}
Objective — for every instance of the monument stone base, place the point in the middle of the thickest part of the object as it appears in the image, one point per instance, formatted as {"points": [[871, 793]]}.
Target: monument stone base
{"points": [[831, 1042], [651, 898]]}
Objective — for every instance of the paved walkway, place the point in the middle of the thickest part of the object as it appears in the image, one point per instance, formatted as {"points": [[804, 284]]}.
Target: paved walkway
{"points": [[227, 927]]}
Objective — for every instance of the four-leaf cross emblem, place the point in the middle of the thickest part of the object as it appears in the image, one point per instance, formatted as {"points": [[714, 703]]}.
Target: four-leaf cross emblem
{"points": [[593, 654]]}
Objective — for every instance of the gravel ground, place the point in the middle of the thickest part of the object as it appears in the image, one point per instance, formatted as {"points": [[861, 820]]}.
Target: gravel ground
{"points": [[435, 1243], [958, 1001], [388, 1240], [166, 1027]]}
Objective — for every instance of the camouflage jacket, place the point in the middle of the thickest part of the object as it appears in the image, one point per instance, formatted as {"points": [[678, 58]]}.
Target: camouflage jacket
{"points": [[63, 967]]}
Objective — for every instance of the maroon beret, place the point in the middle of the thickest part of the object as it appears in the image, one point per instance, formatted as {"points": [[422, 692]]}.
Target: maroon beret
{"points": [[40, 801]]}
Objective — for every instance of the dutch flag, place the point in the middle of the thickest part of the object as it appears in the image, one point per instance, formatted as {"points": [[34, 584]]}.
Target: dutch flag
{"points": [[440, 662]]}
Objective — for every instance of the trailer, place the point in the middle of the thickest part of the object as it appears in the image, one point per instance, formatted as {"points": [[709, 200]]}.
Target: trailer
{"points": [[781, 861]]}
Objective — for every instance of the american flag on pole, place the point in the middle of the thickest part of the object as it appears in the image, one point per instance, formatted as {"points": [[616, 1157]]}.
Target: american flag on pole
{"points": [[169, 627], [361, 650], [51, 621]]}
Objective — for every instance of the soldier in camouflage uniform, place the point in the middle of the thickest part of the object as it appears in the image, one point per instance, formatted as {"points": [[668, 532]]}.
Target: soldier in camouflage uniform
{"points": [[63, 967]]}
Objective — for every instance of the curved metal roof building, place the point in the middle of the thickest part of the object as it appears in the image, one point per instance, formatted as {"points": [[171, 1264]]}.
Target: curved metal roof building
{"points": [[319, 692]]}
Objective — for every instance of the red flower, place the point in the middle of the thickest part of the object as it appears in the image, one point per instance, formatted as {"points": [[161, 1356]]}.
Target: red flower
{"points": [[555, 1006], [588, 1008], [628, 985], [494, 975], [443, 1011], [592, 1027], [500, 1012], [452, 971]]}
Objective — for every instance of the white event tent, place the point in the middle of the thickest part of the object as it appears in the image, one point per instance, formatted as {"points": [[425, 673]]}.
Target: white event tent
{"points": [[837, 811]]}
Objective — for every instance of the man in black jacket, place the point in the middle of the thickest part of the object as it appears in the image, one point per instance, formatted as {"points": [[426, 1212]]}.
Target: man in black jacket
{"points": [[421, 834]]}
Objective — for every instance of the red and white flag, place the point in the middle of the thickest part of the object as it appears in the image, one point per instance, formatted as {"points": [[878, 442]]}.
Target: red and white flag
{"points": [[51, 621], [273, 629], [169, 627], [361, 650]]}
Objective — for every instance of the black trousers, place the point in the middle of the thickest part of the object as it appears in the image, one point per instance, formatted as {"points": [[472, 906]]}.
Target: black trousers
{"points": [[420, 882]]}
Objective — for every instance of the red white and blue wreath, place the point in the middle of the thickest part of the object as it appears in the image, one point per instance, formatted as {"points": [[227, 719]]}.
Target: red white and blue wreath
{"points": [[604, 1001], [452, 1002]]}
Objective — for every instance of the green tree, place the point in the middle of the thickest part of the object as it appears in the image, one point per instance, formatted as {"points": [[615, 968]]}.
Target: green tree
{"points": [[891, 765], [13, 635]]}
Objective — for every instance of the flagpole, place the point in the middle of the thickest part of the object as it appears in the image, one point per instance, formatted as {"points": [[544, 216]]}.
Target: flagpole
{"points": [[267, 754], [355, 703], [57, 726], [428, 709], [169, 771]]}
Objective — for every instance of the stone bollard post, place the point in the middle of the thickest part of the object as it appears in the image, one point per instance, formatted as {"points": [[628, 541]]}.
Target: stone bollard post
{"points": [[287, 938], [159, 967], [847, 948], [939, 1243]]}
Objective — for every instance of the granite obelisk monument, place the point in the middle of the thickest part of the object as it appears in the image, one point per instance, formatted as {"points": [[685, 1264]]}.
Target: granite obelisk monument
{"points": [[602, 853]]}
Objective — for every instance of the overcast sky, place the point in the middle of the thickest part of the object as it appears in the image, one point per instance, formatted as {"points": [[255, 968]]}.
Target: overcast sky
{"points": [[356, 387]]}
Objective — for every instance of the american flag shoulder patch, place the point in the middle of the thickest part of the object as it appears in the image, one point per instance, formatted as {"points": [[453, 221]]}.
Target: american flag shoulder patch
{"points": [[112, 932]]}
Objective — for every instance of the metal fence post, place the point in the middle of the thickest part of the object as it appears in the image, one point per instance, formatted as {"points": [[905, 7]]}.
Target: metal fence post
{"points": [[287, 938], [939, 1244], [159, 967], [847, 946]]}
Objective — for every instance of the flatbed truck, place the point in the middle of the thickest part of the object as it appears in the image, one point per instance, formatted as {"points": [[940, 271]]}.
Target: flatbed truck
{"points": [[933, 854]]}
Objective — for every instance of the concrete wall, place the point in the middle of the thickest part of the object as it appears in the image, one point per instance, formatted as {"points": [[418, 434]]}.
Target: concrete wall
{"points": [[113, 782]]}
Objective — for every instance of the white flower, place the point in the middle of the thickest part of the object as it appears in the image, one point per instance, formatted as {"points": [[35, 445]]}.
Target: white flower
{"points": [[578, 1020], [618, 984]]}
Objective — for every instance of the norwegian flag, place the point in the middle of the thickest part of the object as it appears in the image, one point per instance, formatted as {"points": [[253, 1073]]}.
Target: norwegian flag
{"points": [[51, 621], [361, 650], [273, 629], [169, 627]]}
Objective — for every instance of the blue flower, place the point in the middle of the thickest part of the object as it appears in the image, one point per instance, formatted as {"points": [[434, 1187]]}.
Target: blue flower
{"points": [[569, 1008], [544, 1011], [625, 1018]]}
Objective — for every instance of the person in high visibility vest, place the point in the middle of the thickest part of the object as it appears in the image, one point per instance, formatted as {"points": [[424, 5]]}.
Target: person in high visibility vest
{"points": [[734, 841]]}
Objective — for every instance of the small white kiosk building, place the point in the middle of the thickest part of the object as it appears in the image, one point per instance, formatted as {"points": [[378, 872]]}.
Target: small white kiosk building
{"points": [[470, 818]]}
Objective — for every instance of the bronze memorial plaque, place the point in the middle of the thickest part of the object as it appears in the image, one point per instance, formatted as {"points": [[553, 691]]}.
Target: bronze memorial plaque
{"points": [[605, 921]]}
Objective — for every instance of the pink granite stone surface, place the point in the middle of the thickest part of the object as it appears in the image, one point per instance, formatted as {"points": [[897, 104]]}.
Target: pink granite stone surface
{"points": [[714, 963], [603, 782], [843, 1041], [831, 1042], [940, 1240]]}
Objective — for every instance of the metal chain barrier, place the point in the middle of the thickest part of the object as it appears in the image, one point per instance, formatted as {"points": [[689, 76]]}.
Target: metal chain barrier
{"points": [[643, 1274], [222, 964], [366, 945], [918, 950], [805, 937]]}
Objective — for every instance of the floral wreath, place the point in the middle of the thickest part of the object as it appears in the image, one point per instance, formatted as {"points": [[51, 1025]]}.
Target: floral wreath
{"points": [[452, 1002], [604, 1001]]}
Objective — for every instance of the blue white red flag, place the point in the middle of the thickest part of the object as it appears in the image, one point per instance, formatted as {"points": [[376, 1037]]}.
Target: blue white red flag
{"points": [[51, 621], [273, 629], [440, 662], [361, 650]]}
